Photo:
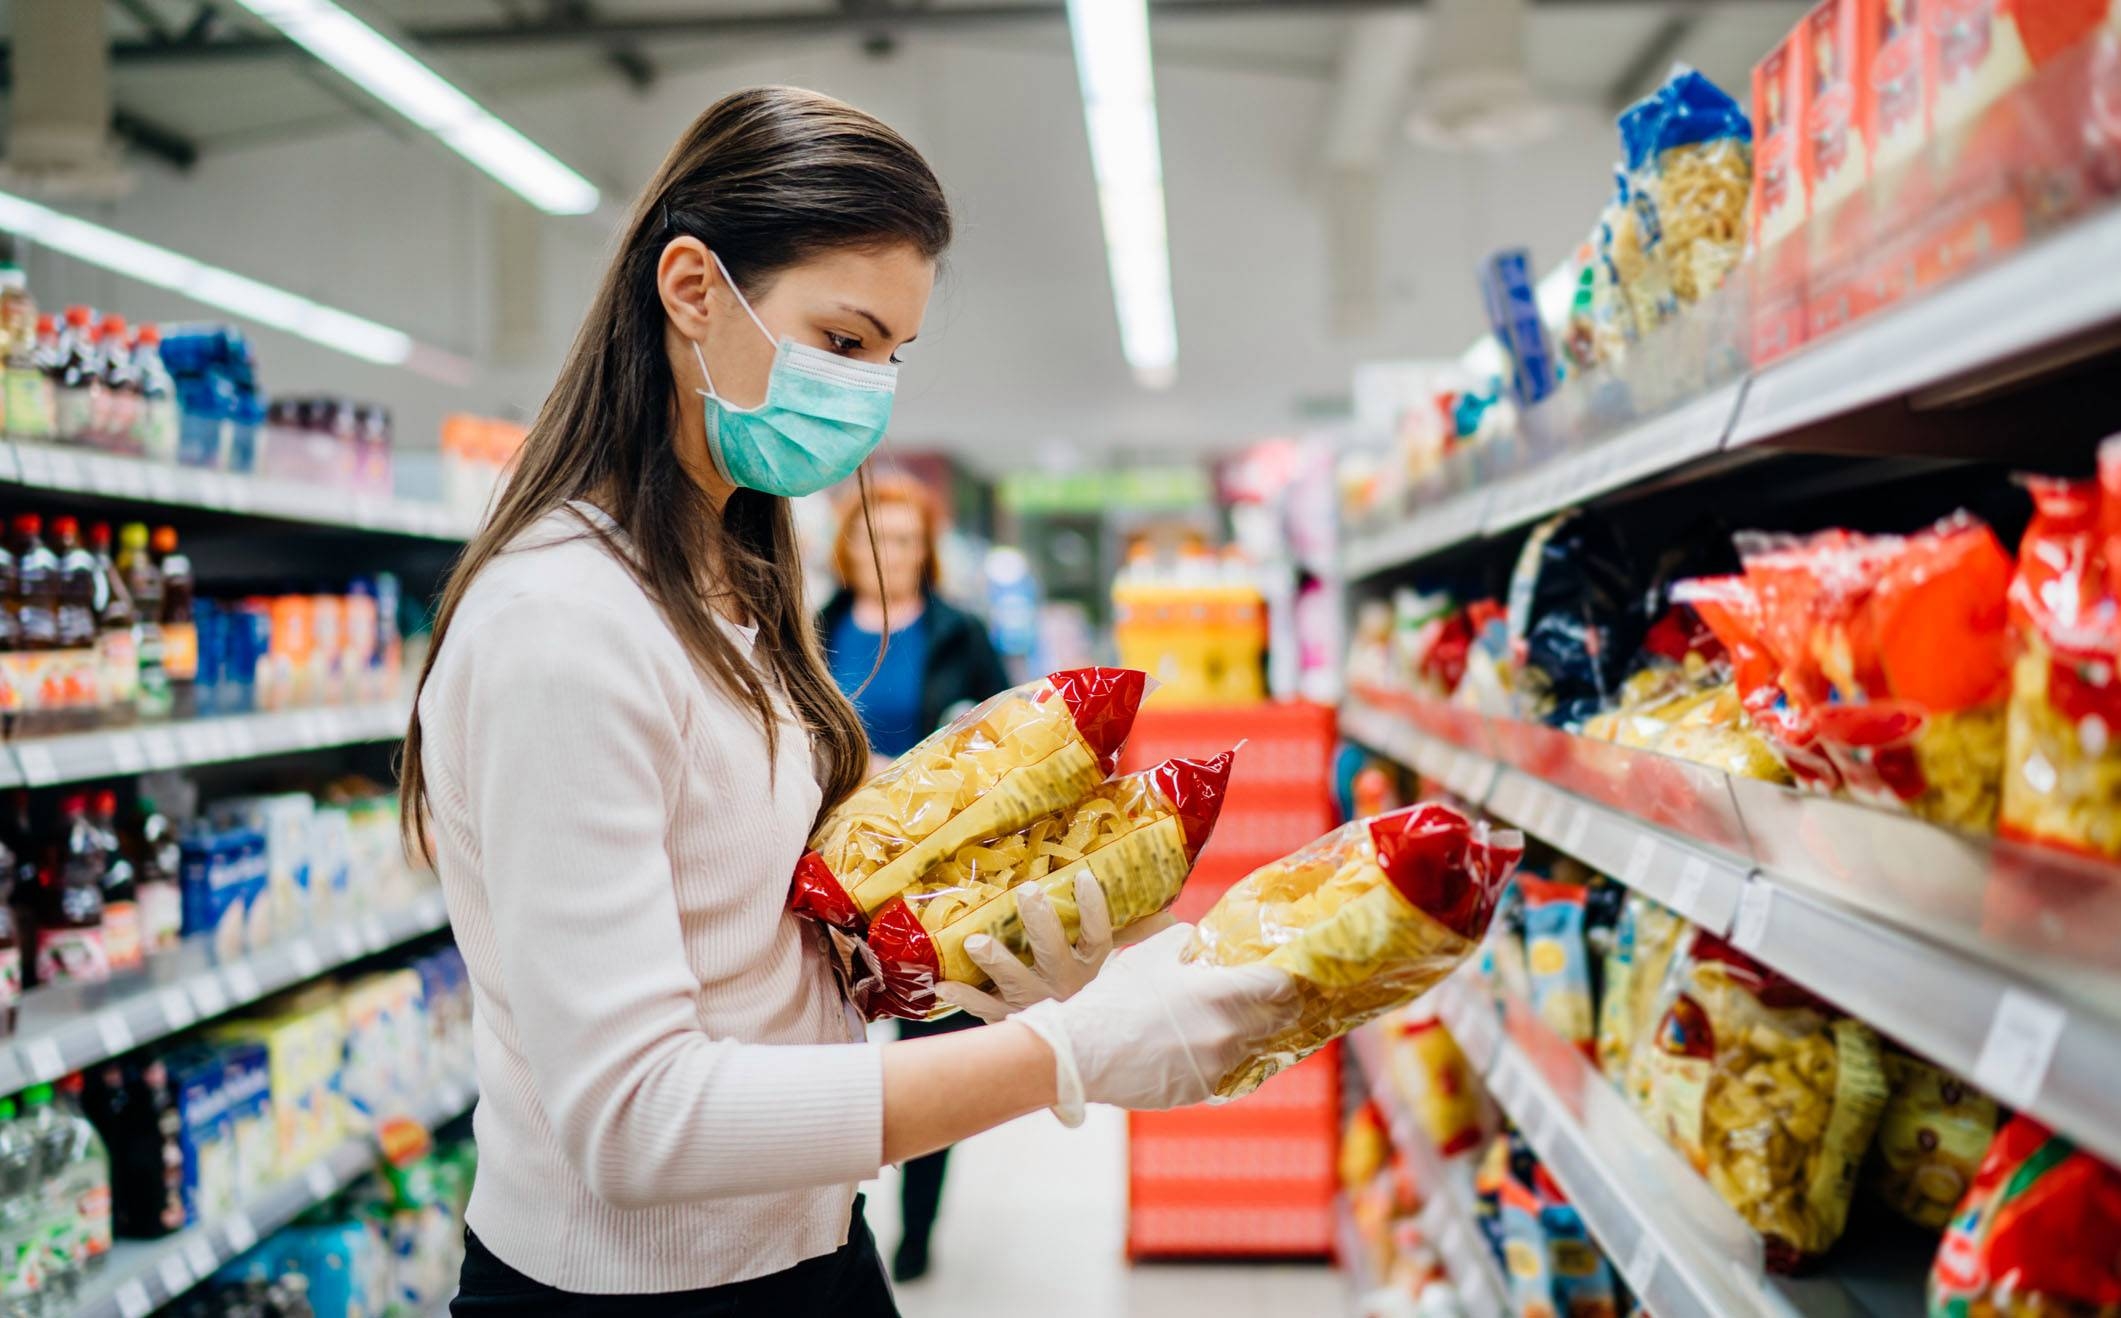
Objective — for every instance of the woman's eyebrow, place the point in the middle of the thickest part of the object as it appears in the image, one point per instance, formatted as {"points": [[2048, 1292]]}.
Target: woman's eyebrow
{"points": [[870, 316]]}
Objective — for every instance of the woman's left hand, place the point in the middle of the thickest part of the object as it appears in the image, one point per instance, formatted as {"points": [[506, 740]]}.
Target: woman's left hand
{"points": [[1057, 971]]}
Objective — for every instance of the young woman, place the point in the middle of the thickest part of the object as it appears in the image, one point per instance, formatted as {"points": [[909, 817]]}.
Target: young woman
{"points": [[623, 738]]}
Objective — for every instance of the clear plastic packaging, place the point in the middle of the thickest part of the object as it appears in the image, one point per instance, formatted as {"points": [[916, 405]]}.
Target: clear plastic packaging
{"points": [[1365, 919], [1138, 834], [2035, 1236], [1931, 1139], [1026, 752]]}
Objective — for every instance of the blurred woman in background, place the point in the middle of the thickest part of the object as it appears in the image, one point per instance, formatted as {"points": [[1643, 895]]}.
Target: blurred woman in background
{"points": [[938, 661]]}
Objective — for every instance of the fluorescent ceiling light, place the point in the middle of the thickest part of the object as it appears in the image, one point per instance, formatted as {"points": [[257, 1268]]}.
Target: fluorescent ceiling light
{"points": [[201, 282], [1119, 111], [396, 77]]}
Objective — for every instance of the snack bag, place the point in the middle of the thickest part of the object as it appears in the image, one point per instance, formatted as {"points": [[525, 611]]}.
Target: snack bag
{"points": [[1768, 1092], [1439, 1081], [1525, 1257], [2035, 1237], [1030, 750], [1703, 149], [1628, 1015], [2062, 759], [1931, 1138], [1138, 835], [1730, 606], [1572, 618], [1365, 919], [1556, 956], [1583, 1280]]}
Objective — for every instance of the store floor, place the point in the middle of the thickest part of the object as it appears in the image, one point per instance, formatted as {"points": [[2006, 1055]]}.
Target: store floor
{"points": [[1034, 1225]]}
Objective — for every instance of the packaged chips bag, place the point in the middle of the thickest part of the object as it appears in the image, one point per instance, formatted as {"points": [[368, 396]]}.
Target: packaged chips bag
{"points": [[1026, 752], [1931, 1139], [1138, 834], [1365, 919], [1557, 957], [1770, 1094], [2062, 757], [2038, 1236]]}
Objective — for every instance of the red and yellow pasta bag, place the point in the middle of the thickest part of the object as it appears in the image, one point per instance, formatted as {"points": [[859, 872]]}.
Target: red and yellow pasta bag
{"points": [[1138, 835], [1026, 752], [1365, 919], [2038, 1235]]}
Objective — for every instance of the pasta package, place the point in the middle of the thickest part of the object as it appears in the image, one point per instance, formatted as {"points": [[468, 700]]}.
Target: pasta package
{"points": [[1931, 1139], [1365, 919], [1704, 158], [1558, 957], [2038, 1236], [1432, 1072], [2062, 759], [1769, 1093], [1026, 752], [1138, 834]]}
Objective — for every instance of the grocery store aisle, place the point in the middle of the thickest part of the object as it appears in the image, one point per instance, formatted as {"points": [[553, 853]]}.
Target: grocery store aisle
{"points": [[1034, 1224]]}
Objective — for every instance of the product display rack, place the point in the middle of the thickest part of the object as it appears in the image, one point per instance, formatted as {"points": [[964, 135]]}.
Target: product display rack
{"points": [[141, 1275], [69, 469], [183, 743], [64, 1028]]}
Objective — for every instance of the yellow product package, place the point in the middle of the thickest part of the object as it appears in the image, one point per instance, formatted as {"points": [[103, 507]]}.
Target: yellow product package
{"points": [[1768, 1092], [1029, 751], [1365, 919], [1138, 834], [1651, 933], [1931, 1138]]}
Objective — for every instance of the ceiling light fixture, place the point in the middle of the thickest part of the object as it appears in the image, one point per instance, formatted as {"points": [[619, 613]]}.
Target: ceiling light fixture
{"points": [[399, 79], [1119, 109], [238, 294]]}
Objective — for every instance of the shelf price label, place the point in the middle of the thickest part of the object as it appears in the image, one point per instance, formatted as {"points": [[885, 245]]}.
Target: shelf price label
{"points": [[132, 1300], [1579, 825], [1686, 892], [176, 1008], [116, 1035], [43, 1060], [175, 1274], [38, 767], [1639, 857], [125, 753], [199, 1252], [1642, 1263], [2021, 1042], [209, 996], [243, 982], [241, 1234], [308, 965], [1754, 906], [322, 1184]]}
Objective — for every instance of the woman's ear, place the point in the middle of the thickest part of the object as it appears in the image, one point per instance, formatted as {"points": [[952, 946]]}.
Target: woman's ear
{"points": [[684, 277]]}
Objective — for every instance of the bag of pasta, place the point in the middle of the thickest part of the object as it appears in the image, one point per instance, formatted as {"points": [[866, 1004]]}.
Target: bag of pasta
{"points": [[1770, 1093], [1138, 835], [1365, 919], [2062, 757], [2035, 1237], [1643, 944], [1028, 751], [1931, 1139], [1703, 155]]}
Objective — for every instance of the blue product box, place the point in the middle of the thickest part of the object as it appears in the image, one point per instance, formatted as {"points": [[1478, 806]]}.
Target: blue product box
{"points": [[247, 1066], [1507, 288], [199, 1079]]}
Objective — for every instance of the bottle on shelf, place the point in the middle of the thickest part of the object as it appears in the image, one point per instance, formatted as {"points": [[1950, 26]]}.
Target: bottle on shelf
{"points": [[156, 851], [36, 609], [70, 943], [123, 937], [73, 1194], [120, 410], [78, 682], [117, 636], [155, 429], [10, 948], [12, 693], [80, 378], [180, 638], [83, 1195], [21, 1212], [134, 1108], [28, 408], [144, 580]]}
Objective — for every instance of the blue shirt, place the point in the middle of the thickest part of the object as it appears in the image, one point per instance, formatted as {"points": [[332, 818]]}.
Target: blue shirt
{"points": [[891, 706]]}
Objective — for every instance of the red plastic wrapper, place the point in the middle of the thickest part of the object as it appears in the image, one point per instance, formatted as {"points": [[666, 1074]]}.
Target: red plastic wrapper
{"points": [[1024, 753], [1730, 606], [2038, 1235], [1138, 834], [1367, 918]]}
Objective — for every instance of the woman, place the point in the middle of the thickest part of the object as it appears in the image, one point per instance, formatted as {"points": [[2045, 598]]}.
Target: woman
{"points": [[938, 662], [625, 733]]}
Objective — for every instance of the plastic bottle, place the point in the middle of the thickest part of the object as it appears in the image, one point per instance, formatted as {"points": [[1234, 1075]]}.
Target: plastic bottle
{"points": [[79, 678], [70, 943], [80, 378], [74, 1175], [84, 1185], [117, 639], [134, 1108], [36, 609], [121, 388], [180, 640], [123, 937], [156, 851], [144, 580], [21, 1214], [10, 949], [27, 403], [12, 692], [156, 425]]}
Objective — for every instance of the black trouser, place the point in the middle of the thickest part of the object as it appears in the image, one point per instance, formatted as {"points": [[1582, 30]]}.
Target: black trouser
{"points": [[920, 1189], [847, 1283]]}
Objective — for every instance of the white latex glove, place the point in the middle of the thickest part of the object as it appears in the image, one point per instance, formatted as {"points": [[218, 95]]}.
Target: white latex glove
{"points": [[1155, 1032], [1058, 970]]}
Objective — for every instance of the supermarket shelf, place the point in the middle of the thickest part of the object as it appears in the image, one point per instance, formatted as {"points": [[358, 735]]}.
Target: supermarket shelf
{"points": [[1682, 1249], [63, 1028], [118, 752], [70, 470], [1996, 960], [141, 1275], [1448, 1219]]}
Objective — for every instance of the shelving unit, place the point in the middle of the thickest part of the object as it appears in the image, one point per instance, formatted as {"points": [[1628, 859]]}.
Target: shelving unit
{"points": [[116, 752], [1879, 922], [141, 1275]]}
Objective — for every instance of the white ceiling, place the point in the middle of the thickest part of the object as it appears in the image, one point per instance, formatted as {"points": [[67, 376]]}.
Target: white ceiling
{"points": [[1022, 341]]}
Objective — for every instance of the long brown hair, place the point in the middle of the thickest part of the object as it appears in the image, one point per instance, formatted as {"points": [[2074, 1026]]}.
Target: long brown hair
{"points": [[766, 178]]}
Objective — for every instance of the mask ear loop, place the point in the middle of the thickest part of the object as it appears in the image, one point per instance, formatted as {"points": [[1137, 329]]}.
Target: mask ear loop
{"points": [[701, 357]]}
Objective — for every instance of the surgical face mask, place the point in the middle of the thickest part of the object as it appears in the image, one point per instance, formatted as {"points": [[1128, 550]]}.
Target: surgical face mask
{"points": [[822, 416]]}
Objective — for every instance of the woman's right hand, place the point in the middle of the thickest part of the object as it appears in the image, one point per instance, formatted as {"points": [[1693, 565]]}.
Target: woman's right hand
{"points": [[1152, 1031]]}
